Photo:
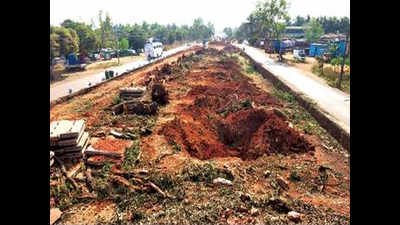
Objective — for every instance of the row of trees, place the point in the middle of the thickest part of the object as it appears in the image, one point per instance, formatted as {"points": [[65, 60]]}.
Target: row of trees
{"points": [[269, 19], [74, 36], [329, 24]]}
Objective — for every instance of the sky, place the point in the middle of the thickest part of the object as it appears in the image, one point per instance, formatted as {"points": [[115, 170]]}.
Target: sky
{"points": [[222, 13]]}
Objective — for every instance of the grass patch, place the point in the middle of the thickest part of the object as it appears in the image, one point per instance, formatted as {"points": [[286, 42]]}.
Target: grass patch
{"points": [[242, 105], [250, 69], [116, 100], [83, 107], [332, 77], [284, 96], [206, 172], [130, 155]]}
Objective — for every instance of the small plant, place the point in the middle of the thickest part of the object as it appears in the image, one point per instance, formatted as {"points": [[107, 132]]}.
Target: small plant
{"points": [[294, 176], [285, 96], [106, 169], [131, 155], [137, 215], [176, 147], [116, 100], [205, 173], [235, 57], [250, 69]]}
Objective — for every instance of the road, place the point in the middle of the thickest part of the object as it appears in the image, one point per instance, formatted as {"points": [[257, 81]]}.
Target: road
{"points": [[333, 101], [75, 85]]}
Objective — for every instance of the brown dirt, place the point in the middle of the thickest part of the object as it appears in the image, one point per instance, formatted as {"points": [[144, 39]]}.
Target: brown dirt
{"points": [[216, 112], [245, 133]]}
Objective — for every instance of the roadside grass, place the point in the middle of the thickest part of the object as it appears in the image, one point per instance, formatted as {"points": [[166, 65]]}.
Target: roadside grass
{"points": [[302, 120], [331, 77], [83, 106]]}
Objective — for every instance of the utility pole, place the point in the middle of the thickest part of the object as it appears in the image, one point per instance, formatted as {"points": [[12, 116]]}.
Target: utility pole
{"points": [[119, 47], [339, 83]]}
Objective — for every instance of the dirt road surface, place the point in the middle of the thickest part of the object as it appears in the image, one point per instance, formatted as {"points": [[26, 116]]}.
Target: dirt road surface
{"points": [[62, 89], [333, 101]]}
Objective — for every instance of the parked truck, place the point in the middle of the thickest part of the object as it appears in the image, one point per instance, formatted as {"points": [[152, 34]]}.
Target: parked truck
{"points": [[73, 63]]}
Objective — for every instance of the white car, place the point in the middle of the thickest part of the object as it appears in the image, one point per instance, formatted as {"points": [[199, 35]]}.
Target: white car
{"points": [[153, 50]]}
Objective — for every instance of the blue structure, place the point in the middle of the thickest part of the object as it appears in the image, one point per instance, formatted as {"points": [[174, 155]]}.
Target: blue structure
{"points": [[278, 45], [72, 59], [340, 50], [317, 49]]}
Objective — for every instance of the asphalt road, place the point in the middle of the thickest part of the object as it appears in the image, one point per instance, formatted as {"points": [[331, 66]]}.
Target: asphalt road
{"points": [[76, 85], [335, 102]]}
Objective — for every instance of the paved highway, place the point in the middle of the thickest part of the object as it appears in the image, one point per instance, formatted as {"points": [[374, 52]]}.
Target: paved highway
{"points": [[331, 100], [75, 85]]}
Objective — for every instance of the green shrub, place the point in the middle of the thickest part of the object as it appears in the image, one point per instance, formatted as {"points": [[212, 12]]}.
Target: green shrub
{"points": [[131, 155], [116, 100]]}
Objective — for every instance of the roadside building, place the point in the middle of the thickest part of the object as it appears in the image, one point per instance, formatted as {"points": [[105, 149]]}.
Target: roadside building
{"points": [[294, 32]]}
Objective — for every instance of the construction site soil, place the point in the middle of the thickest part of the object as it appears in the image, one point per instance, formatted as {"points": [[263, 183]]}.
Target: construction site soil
{"points": [[214, 119]]}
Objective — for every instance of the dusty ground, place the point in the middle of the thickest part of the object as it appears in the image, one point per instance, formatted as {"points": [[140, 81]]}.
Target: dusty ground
{"points": [[222, 120], [311, 69], [99, 66]]}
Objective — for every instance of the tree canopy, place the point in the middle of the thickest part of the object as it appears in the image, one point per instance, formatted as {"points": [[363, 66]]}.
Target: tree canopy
{"points": [[74, 36], [314, 31]]}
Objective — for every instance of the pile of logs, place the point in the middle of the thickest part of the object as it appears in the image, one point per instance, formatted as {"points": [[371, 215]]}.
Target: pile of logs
{"points": [[130, 93], [68, 139], [136, 107]]}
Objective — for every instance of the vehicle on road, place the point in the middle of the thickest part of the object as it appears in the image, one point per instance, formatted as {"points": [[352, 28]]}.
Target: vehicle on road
{"points": [[299, 55], [57, 60], [153, 50], [205, 43], [73, 63]]}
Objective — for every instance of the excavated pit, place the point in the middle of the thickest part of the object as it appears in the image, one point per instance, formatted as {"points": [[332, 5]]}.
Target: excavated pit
{"points": [[226, 118]]}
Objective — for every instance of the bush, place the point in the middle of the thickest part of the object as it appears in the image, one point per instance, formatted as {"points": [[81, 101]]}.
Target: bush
{"points": [[116, 100]]}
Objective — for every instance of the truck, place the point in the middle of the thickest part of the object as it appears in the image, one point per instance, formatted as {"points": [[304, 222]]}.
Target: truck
{"points": [[73, 63], [153, 50]]}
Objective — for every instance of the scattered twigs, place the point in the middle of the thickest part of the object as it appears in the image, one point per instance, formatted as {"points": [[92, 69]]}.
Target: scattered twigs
{"points": [[125, 183], [155, 187], [65, 173]]}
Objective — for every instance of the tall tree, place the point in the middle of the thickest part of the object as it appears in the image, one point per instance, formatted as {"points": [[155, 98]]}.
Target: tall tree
{"points": [[228, 32], [137, 37], [314, 31], [124, 43], [64, 41], [87, 37], [106, 34]]}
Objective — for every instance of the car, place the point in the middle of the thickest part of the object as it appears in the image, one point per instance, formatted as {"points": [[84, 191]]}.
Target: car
{"points": [[57, 60], [299, 55], [132, 52]]}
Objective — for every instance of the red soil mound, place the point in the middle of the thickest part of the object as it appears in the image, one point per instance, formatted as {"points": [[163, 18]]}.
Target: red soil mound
{"points": [[202, 131]]}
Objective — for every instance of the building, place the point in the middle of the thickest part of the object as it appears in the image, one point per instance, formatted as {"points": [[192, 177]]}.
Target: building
{"points": [[294, 32]]}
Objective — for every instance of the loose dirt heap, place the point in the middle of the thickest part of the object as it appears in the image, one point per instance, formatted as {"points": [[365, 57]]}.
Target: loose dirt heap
{"points": [[231, 49], [246, 132]]}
